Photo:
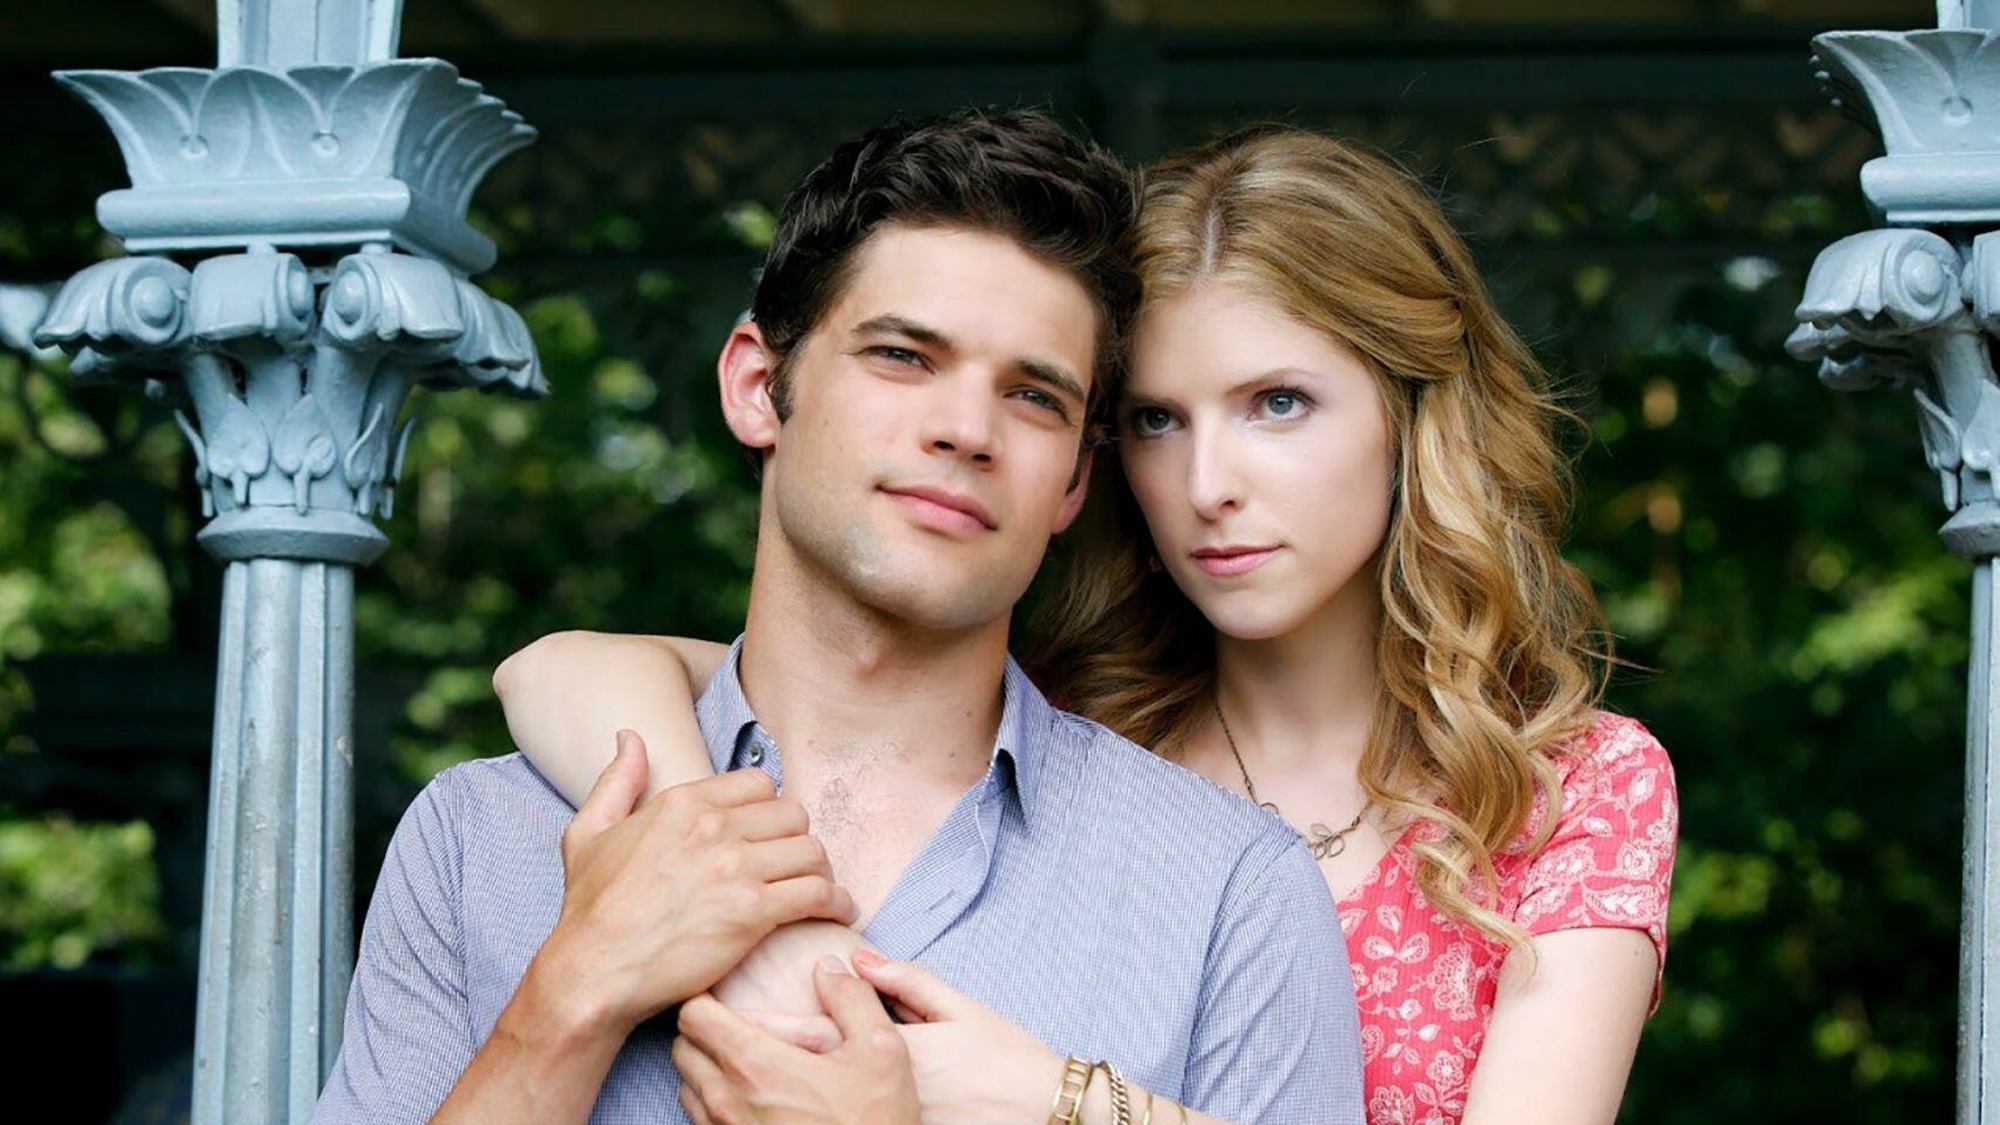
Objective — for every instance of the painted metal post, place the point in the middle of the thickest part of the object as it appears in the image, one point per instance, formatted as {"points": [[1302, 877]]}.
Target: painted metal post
{"points": [[311, 191], [1916, 306]]}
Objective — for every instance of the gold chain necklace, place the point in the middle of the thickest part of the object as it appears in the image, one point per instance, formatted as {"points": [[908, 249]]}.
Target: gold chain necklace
{"points": [[1324, 842]]}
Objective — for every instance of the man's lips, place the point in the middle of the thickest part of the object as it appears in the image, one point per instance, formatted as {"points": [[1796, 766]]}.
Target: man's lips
{"points": [[1228, 562], [943, 509]]}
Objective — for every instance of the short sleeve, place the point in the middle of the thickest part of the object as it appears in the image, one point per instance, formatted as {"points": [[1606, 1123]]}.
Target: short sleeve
{"points": [[1610, 860], [1277, 1038], [408, 1030]]}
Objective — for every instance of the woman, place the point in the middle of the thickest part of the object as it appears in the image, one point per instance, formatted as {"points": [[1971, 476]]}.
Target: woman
{"points": [[1323, 571]]}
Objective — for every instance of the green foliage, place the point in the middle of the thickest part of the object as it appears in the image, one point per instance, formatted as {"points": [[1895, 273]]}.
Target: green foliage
{"points": [[73, 892], [581, 511], [73, 569], [1768, 554]]}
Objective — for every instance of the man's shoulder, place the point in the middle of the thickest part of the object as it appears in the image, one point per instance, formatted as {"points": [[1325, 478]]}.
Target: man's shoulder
{"points": [[503, 776], [501, 794], [1176, 800]]}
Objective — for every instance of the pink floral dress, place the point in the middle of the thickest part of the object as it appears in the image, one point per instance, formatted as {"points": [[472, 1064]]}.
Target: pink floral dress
{"points": [[1426, 983]]}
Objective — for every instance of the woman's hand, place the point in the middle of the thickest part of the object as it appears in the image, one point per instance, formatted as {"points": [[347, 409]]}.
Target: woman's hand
{"points": [[972, 1067], [735, 1073]]}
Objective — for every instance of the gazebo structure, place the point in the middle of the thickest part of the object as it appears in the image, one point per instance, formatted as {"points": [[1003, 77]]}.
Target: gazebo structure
{"points": [[299, 261]]}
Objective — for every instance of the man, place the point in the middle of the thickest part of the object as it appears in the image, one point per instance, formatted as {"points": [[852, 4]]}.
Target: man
{"points": [[928, 341]]}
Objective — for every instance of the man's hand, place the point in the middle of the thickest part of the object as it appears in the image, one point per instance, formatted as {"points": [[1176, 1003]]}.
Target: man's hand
{"points": [[736, 1073], [660, 901]]}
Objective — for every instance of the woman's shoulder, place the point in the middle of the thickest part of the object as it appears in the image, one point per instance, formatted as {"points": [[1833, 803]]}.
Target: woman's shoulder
{"points": [[1615, 750], [1615, 778], [1608, 859]]}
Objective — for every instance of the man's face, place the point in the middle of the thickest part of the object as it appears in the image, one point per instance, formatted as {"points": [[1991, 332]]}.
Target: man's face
{"points": [[936, 414]]}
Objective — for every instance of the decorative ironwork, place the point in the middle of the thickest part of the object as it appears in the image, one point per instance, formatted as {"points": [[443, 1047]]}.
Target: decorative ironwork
{"points": [[383, 152], [319, 190], [1910, 307]]}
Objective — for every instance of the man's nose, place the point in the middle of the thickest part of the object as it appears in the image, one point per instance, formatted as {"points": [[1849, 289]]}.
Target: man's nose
{"points": [[962, 422]]}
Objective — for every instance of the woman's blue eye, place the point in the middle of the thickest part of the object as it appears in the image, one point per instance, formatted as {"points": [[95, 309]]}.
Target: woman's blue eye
{"points": [[1149, 420], [1284, 404]]}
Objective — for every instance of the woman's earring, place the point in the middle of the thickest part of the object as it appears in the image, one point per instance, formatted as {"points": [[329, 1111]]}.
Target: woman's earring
{"points": [[1154, 564]]}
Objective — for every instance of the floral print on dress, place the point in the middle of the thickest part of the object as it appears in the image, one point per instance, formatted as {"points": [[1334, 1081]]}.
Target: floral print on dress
{"points": [[1426, 983]]}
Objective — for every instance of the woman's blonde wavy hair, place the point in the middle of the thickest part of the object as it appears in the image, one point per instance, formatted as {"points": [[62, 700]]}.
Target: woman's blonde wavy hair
{"points": [[1493, 653]]}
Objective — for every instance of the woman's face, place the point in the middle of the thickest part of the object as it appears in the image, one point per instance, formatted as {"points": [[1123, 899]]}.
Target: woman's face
{"points": [[1260, 452]]}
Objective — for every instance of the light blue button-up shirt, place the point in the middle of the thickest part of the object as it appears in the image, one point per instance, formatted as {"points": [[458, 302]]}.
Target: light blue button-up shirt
{"points": [[1109, 902]]}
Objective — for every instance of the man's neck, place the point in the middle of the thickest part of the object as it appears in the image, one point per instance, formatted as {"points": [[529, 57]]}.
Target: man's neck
{"points": [[839, 686]]}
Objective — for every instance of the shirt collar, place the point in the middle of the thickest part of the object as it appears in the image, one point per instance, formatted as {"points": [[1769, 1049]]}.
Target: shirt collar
{"points": [[723, 712], [1024, 723], [725, 715]]}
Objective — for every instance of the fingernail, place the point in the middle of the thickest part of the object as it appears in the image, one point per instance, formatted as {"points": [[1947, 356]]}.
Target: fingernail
{"points": [[624, 740], [869, 958], [834, 965]]}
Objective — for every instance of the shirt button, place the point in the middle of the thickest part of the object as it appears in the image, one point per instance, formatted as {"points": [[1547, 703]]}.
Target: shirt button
{"points": [[756, 755]]}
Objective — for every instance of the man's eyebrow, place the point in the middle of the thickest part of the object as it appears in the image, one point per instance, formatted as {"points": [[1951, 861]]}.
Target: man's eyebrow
{"points": [[1041, 371], [1051, 375], [891, 324]]}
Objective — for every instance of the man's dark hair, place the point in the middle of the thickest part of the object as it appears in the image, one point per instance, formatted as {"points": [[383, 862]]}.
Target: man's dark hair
{"points": [[1016, 173]]}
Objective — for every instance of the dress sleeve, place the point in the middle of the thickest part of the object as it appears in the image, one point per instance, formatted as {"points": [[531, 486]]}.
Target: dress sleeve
{"points": [[1610, 861], [408, 1032]]}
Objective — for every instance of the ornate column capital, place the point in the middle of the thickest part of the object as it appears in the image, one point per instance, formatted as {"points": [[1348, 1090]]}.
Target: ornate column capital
{"points": [[295, 378], [1934, 97], [1909, 308], [330, 199], [314, 156]]}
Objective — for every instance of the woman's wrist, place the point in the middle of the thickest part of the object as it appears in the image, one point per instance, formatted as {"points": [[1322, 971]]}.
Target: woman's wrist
{"points": [[1083, 1094], [1099, 1105]]}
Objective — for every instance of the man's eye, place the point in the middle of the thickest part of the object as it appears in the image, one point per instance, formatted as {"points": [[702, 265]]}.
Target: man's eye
{"points": [[1043, 399], [896, 355]]}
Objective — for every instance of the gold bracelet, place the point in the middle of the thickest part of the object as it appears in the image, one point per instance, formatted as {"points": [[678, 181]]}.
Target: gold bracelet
{"points": [[1121, 1098], [1083, 1099], [1148, 1119], [1075, 1080]]}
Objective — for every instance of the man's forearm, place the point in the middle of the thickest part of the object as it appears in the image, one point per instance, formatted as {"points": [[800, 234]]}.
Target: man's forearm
{"points": [[544, 1062]]}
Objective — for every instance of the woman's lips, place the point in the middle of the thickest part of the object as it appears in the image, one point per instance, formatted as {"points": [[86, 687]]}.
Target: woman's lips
{"points": [[1233, 562]]}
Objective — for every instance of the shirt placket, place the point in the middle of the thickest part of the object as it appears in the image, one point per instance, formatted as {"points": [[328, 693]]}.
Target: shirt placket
{"points": [[943, 882], [757, 751]]}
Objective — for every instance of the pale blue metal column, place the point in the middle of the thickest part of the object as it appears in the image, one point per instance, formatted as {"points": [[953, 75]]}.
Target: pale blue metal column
{"points": [[1917, 306], [312, 190]]}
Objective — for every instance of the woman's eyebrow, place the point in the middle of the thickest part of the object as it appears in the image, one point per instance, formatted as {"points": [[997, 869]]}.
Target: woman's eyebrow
{"points": [[1275, 374]]}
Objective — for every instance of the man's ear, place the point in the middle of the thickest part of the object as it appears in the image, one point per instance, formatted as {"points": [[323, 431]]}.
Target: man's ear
{"points": [[1073, 499], [743, 372]]}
